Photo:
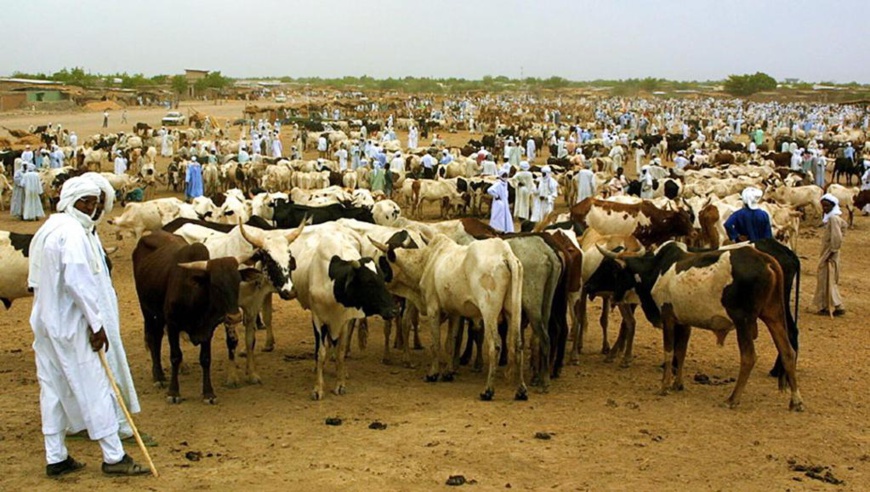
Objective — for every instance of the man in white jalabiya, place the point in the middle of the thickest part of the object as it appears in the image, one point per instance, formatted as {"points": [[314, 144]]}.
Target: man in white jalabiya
{"points": [[525, 187], [69, 322], [412, 137], [646, 183], [500, 214], [585, 182], [548, 190], [32, 191]]}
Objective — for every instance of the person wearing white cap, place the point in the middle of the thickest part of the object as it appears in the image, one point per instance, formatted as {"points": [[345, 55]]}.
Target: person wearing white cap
{"points": [[680, 162], [546, 193], [819, 164], [488, 166], [750, 223], [585, 183], [193, 180], [525, 184], [827, 295], [500, 212], [341, 154], [32, 209], [120, 163], [397, 164], [865, 183], [16, 205], [412, 137], [646, 183], [278, 147], [27, 155], [515, 155], [67, 268], [617, 155], [531, 148]]}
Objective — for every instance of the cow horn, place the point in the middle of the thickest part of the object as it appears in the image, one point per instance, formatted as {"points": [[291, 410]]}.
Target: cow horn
{"points": [[607, 253], [381, 246], [201, 265], [255, 241], [294, 234], [242, 259]]}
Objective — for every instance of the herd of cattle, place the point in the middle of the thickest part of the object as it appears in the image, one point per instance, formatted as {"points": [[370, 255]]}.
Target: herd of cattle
{"points": [[307, 230]]}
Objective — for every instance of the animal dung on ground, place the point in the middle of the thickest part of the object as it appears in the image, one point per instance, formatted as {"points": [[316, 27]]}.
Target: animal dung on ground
{"points": [[456, 480], [546, 436], [377, 425], [193, 455], [333, 421]]}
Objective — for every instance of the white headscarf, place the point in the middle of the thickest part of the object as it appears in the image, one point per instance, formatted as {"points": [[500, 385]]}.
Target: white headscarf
{"points": [[524, 165], [750, 197], [73, 189], [106, 187], [546, 170], [834, 211]]}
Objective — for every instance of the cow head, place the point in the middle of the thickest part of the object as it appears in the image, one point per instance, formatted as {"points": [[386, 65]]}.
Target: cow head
{"points": [[358, 285], [221, 278], [272, 249]]}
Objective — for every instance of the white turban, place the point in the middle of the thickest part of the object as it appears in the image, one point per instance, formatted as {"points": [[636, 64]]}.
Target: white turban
{"points": [[74, 189], [106, 188], [827, 197], [546, 169], [524, 165], [750, 197]]}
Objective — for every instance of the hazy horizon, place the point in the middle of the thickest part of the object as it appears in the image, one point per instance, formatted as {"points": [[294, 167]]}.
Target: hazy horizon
{"points": [[578, 40]]}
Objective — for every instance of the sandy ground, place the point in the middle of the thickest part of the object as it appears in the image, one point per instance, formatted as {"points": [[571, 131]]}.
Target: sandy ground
{"points": [[608, 428]]}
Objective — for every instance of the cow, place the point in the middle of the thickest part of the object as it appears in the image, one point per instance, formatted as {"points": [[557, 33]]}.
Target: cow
{"points": [[181, 289], [337, 284], [150, 216], [648, 223], [848, 167], [14, 251], [288, 214], [480, 281], [719, 290]]}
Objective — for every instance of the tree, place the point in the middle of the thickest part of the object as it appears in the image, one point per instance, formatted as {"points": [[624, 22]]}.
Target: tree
{"points": [[746, 85], [179, 84]]}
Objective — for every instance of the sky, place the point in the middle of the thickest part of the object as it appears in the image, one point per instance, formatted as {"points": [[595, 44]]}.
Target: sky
{"points": [[576, 39]]}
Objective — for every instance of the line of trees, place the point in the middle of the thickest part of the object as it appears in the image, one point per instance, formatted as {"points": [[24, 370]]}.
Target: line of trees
{"points": [[737, 85]]}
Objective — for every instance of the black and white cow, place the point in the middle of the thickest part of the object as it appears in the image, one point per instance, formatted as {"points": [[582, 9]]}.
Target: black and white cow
{"points": [[720, 290]]}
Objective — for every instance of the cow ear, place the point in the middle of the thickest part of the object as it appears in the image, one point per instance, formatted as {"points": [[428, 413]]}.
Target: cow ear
{"points": [[249, 274], [385, 270]]}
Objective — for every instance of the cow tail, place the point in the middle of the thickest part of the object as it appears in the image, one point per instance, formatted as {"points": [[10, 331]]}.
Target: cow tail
{"points": [[516, 307]]}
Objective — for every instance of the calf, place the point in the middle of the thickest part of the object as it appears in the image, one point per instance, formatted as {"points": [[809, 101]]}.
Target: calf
{"points": [[649, 224]]}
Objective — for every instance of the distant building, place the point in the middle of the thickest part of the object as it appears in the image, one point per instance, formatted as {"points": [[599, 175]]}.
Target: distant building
{"points": [[15, 92], [792, 81], [193, 76]]}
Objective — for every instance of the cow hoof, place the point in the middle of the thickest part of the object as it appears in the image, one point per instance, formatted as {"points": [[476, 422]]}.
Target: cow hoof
{"points": [[463, 361], [408, 365], [211, 400], [386, 361], [160, 384], [575, 361], [477, 368], [268, 348], [678, 387], [729, 404], [447, 377], [522, 394], [340, 390], [418, 346], [254, 379], [487, 395], [316, 395], [605, 349], [796, 406], [625, 364], [431, 378], [663, 392], [175, 400]]}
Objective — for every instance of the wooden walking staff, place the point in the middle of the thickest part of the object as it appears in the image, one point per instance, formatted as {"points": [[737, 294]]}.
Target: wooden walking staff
{"points": [[127, 412], [831, 267]]}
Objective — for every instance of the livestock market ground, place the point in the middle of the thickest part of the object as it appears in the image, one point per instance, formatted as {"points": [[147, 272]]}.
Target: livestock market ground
{"points": [[608, 428]]}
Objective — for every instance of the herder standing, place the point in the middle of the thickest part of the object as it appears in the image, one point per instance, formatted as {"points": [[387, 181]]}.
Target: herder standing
{"points": [[827, 294], [500, 214]]}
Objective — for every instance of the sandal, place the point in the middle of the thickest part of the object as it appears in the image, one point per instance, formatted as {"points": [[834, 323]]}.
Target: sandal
{"points": [[147, 440], [125, 467], [69, 465]]}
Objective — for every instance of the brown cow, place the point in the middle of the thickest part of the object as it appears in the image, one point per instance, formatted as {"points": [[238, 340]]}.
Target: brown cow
{"points": [[648, 223]]}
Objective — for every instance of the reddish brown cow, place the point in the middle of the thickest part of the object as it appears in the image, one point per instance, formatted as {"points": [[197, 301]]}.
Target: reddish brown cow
{"points": [[648, 223]]}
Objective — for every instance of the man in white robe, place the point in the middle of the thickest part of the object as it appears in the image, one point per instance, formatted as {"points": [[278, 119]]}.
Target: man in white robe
{"points": [[165, 143], [16, 205], [277, 147], [525, 188], [531, 148], [412, 137], [120, 164], [585, 182], [68, 324], [488, 167], [548, 190], [646, 183], [500, 212], [32, 191]]}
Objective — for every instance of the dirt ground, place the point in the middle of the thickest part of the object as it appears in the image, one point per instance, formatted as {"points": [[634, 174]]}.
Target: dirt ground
{"points": [[608, 429]]}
